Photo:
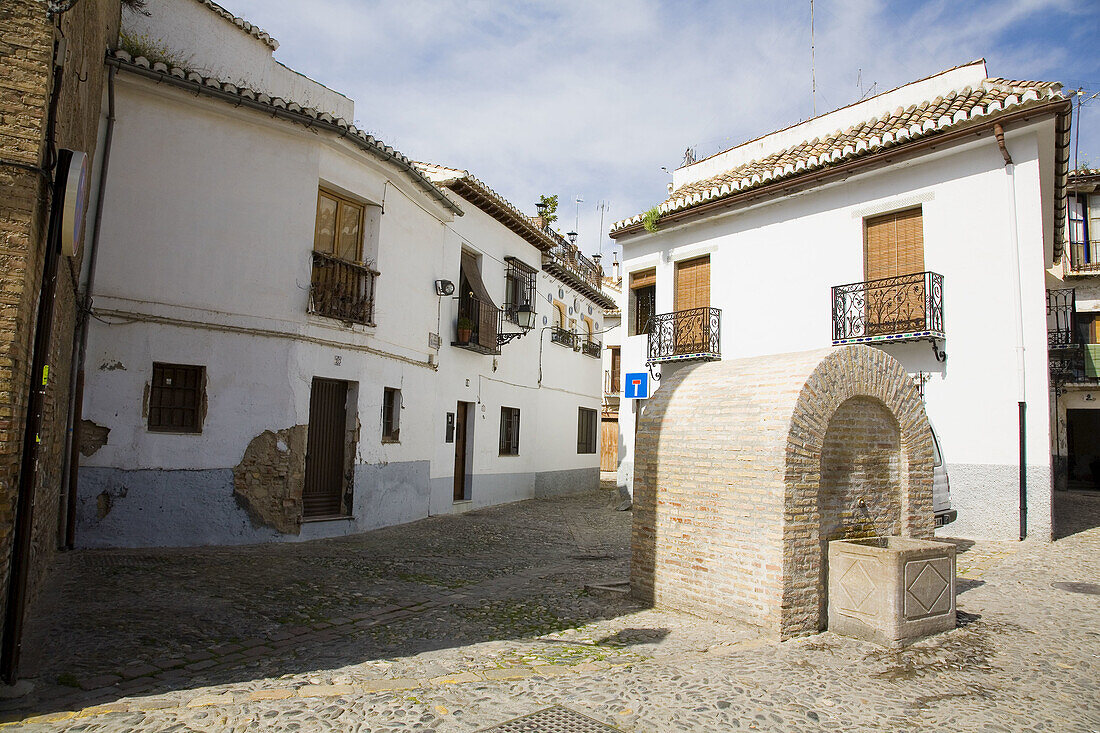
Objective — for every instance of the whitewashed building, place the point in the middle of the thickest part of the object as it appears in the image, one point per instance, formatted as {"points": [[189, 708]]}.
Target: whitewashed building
{"points": [[612, 371], [281, 344], [920, 221], [1073, 314]]}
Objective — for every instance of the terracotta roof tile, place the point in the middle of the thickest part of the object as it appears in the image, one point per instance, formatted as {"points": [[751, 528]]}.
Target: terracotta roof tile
{"points": [[241, 23], [955, 109]]}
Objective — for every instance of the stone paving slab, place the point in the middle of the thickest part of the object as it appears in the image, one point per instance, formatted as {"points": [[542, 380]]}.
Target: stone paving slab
{"points": [[493, 621]]}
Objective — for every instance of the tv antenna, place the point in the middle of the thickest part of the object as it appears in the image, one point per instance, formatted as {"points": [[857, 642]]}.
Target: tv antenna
{"points": [[577, 222], [603, 206], [813, 61]]}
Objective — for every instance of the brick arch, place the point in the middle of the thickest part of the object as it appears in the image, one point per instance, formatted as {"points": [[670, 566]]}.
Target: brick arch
{"points": [[727, 474], [855, 375]]}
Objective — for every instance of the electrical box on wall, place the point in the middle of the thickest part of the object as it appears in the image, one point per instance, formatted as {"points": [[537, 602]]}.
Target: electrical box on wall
{"points": [[450, 427]]}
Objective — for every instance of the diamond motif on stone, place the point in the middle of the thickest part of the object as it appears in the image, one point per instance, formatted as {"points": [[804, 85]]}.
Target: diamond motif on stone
{"points": [[857, 585], [928, 587]]}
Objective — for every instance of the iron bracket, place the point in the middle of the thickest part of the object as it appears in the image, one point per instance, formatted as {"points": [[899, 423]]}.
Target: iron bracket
{"points": [[941, 356]]}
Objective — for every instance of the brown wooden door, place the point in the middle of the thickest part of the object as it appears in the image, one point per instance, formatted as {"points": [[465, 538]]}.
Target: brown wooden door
{"points": [[893, 246], [692, 294], [609, 443], [323, 494], [460, 451]]}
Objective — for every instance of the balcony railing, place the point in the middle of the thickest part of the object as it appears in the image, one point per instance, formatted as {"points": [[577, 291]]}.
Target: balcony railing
{"points": [[1076, 364], [483, 321], [592, 348], [902, 308], [1061, 319], [570, 261], [342, 289], [685, 335], [563, 336], [1084, 256]]}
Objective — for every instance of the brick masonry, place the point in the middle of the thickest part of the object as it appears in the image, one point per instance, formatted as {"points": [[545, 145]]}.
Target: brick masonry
{"points": [[746, 468], [27, 39]]}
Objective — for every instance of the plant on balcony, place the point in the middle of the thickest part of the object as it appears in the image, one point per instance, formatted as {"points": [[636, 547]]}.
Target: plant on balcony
{"points": [[551, 205], [649, 219], [465, 329]]}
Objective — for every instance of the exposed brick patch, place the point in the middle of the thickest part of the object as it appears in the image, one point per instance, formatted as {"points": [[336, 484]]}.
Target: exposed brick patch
{"points": [[730, 515], [269, 479]]}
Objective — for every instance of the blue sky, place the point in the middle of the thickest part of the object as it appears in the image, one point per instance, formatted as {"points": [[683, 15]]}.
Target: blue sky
{"points": [[592, 99]]}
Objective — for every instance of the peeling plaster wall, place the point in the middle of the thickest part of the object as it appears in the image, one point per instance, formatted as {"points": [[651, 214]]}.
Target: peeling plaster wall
{"points": [[269, 479]]}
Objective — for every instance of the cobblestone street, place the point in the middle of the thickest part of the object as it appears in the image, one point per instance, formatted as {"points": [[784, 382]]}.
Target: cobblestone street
{"points": [[461, 623]]}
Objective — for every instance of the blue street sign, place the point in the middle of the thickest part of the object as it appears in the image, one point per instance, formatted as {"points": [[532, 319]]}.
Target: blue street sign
{"points": [[636, 385]]}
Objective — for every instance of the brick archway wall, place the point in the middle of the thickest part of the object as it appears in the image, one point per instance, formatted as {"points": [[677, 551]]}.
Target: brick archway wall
{"points": [[727, 521], [861, 405]]}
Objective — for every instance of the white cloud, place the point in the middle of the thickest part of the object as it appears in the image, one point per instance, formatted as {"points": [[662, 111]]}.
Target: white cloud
{"points": [[576, 97]]}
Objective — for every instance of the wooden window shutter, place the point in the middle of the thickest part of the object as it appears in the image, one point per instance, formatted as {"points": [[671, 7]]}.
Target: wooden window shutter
{"points": [[693, 283], [893, 245], [643, 279]]}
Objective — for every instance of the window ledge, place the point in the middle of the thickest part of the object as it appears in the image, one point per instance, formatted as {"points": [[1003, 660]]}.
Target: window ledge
{"points": [[332, 518], [391, 441]]}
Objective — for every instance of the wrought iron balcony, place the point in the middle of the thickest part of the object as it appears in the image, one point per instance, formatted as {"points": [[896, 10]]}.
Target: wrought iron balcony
{"points": [[342, 289], [905, 308], [478, 325], [1084, 256], [563, 336], [567, 262], [1061, 319], [591, 348], [685, 335]]}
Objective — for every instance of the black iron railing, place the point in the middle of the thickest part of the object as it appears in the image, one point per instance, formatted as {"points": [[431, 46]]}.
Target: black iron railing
{"points": [[591, 348], [562, 336], [695, 333], [890, 309], [478, 325], [342, 289], [1061, 319], [1076, 364], [1084, 256], [569, 257]]}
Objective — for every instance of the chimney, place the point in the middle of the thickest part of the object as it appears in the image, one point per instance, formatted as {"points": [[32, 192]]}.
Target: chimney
{"points": [[615, 269]]}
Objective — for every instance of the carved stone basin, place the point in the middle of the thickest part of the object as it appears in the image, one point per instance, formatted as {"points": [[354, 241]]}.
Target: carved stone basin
{"points": [[891, 590]]}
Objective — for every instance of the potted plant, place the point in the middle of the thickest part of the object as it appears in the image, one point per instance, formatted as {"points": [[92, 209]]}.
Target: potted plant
{"points": [[465, 329]]}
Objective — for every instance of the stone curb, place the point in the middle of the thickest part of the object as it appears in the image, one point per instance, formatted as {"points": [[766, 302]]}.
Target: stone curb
{"points": [[232, 697]]}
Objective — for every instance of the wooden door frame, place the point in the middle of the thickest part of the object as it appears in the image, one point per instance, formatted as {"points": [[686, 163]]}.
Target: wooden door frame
{"points": [[462, 445]]}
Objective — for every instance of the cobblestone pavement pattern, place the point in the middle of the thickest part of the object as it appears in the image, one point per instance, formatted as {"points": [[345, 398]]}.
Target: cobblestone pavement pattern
{"points": [[460, 623]]}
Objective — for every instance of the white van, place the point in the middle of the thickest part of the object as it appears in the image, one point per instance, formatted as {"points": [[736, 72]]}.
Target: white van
{"points": [[941, 486]]}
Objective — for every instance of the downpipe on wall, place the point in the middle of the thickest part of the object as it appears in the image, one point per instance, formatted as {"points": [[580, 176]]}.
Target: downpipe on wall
{"points": [[71, 469], [1017, 297]]}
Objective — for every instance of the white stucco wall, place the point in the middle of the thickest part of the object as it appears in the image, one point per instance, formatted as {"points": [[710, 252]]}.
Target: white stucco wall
{"points": [[772, 266], [204, 41], [205, 259]]}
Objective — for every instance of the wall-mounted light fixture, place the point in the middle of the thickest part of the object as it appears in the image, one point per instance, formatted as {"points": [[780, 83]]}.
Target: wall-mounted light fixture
{"points": [[572, 237], [444, 287], [525, 318]]}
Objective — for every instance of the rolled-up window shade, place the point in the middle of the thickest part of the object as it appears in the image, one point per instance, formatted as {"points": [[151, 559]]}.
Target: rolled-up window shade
{"points": [[473, 275]]}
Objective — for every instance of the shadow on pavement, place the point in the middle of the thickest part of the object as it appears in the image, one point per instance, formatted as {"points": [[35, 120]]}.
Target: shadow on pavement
{"points": [[1075, 511], [117, 623]]}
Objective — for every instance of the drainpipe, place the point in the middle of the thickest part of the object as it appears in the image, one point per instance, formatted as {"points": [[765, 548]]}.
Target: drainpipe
{"points": [[23, 530], [1017, 298], [71, 470]]}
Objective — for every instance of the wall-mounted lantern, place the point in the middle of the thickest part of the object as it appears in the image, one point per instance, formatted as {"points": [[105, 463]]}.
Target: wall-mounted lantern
{"points": [[444, 287], [525, 318]]}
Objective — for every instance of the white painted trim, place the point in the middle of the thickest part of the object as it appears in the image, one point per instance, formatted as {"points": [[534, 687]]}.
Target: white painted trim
{"points": [[894, 203]]}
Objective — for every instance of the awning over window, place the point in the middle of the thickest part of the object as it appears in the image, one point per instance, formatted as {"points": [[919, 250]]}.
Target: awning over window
{"points": [[472, 275]]}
